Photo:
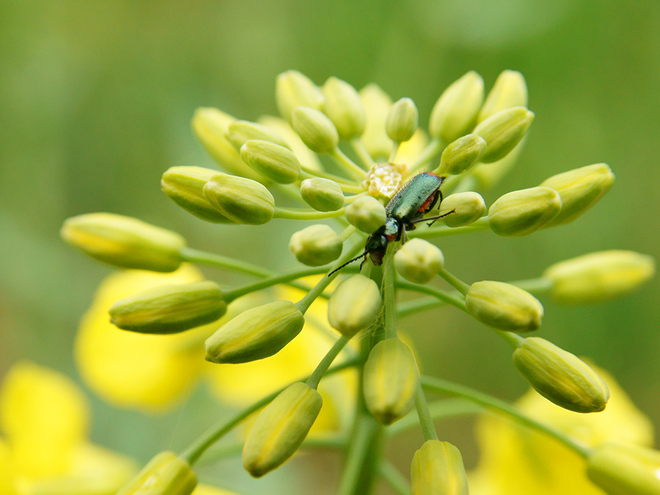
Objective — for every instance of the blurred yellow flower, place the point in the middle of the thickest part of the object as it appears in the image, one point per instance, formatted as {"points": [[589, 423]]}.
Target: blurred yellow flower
{"points": [[44, 420], [518, 461]]}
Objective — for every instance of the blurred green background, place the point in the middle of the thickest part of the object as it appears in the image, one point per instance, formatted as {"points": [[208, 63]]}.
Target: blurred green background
{"points": [[97, 96]]}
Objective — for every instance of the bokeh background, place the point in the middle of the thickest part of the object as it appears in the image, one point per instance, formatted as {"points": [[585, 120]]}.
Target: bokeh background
{"points": [[96, 99]]}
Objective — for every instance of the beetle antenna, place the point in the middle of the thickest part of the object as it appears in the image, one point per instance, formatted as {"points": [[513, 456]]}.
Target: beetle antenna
{"points": [[363, 255], [433, 219]]}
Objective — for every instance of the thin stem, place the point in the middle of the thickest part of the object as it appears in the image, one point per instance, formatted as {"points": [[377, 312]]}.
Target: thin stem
{"points": [[347, 232], [431, 150], [317, 374], [304, 304], [357, 476], [347, 164], [454, 281], [439, 409], [425, 419], [393, 477], [308, 173], [362, 153], [447, 297], [512, 339], [389, 296], [395, 150], [418, 305], [538, 286], [443, 230], [295, 214], [201, 257]]}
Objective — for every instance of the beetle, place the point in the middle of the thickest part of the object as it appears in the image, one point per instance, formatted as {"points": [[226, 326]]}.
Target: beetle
{"points": [[406, 208]]}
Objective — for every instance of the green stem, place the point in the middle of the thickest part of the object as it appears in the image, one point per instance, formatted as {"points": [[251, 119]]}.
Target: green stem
{"points": [[347, 165], [394, 478], [454, 281], [439, 409], [395, 150], [538, 286], [322, 368], [308, 173], [431, 150], [201, 257], [389, 296], [512, 339], [362, 153], [363, 455], [295, 214], [425, 419], [418, 305], [304, 304], [447, 297], [443, 230]]}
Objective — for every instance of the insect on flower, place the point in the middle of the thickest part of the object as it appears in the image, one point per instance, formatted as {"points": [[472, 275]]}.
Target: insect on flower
{"points": [[407, 208]]}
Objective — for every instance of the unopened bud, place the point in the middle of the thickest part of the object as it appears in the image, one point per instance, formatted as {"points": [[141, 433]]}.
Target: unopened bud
{"points": [[503, 131], [256, 333], [509, 90], [624, 469], [418, 261], [169, 308], [455, 112], [504, 306], [599, 276], [280, 428], [293, 89], [315, 129], [316, 245], [390, 380], [165, 474], [437, 468], [124, 241], [402, 120], [367, 214], [579, 189], [467, 207], [377, 104], [354, 305], [344, 108], [522, 212], [239, 199], [322, 194], [240, 132], [461, 154], [560, 377], [272, 160]]}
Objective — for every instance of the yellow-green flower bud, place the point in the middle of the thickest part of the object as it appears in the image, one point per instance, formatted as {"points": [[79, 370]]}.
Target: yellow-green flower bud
{"points": [[503, 131], [256, 333], [467, 207], [316, 245], [165, 474], [240, 132], [390, 381], [522, 212], [579, 189], [509, 90], [280, 428], [354, 305], [455, 112], [344, 108], [124, 241], [185, 186], [418, 261], [293, 89], [504, 306], [402, 120], [315, 129], [210, 125], [599, 276], [437, 468], [624, 469], [169, 308], [272, 160], [367, 214], [322, 194], [239, 199], [461, 154], [377, 104], [560, 377]]}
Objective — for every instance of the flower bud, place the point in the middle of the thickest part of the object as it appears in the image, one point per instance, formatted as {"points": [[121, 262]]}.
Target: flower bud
{"points": [[256, 333], [322, 194], [522, 212], [624, 469], [367, 214], [344, 108], [210, 125], [377, 104], [455, 112], [402, 120], [599, 276], [272, 160], [315, 129], [124, 241], [467, 207], [240, 132], [185, 185], [316, 245], [509, 90], [437, 468], [504, 306], [354, 305], [390, 380], [293, 89], [503, 131], [280, 428], [560, 377], [418, 261], [461, 154], [239, 199], [169, 308], [579, 189], [165, 474]]}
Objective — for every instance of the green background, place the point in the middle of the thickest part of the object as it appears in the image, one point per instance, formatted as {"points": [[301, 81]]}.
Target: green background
{"points": [[95, 103]]}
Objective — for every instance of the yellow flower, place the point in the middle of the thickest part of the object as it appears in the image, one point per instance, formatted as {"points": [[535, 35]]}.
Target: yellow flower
{"points": [[518, 461], [44, 420]]}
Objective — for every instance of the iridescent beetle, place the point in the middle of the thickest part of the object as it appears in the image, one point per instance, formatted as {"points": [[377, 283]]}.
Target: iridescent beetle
{"points": [[407, 208]]}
